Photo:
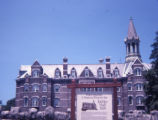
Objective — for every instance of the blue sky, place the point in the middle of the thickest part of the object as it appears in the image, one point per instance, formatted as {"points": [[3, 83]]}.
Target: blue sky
{"points": [[82, 30]]}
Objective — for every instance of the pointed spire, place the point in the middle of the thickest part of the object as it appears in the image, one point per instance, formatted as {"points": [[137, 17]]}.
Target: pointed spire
{"points": [[132, 34]]}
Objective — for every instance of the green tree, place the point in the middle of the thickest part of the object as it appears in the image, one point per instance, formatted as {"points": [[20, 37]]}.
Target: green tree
{"points": [[151, 85], [10, 103]]}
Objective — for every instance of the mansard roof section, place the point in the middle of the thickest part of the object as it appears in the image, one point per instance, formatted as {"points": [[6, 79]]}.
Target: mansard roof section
{"points": [[49, 69], [120, 67], [129, 67], [92, 67], [132, 34]]}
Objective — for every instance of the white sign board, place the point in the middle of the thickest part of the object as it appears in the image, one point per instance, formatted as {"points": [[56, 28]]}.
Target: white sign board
{"points": [[94, 106]]}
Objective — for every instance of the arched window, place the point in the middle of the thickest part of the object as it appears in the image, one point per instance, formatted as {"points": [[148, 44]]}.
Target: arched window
{"points": [[56, 87], [139, 100], [57, 73], [116, 72], [137, 72], [86, 72], [129, 86], [44, 101], [26, 101], [35, 87], [35, 102], [73, 73], [139, 87], [130, 100], [100, 73], [35, 73], [44, 87], [26, 88]]}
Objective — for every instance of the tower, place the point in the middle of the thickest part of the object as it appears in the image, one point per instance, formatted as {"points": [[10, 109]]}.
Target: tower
{"points": [[132, 44]]}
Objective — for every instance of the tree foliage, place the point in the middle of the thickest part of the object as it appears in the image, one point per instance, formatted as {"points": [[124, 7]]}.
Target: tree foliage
{"points": [[151, 85], [10, 103]]}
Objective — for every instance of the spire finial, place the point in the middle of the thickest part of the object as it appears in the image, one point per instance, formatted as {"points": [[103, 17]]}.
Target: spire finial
{"points": [[131, 18], [131, 30]]}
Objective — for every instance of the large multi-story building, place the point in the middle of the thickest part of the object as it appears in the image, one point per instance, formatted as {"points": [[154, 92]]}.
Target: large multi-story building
{"points": [[42, 85]]}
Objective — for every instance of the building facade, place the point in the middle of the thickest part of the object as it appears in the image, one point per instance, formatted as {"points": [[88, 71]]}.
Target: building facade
{"points": [[45, 85]]}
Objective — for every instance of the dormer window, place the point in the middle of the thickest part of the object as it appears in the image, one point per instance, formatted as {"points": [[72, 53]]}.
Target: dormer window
{"points": [[86, 72], [137, 72], [116, 72], [100, 73], [57, 73], [73, 73], [35, 73]]}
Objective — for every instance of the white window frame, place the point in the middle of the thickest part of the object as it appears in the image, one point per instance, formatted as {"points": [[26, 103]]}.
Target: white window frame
{"points": [[86, 72], [138, 72], [139, 103], [35, 89], [35, 103], [57, 73], [35, 73], [139, 88], [73, 73], [100, 73], [116, 72]]}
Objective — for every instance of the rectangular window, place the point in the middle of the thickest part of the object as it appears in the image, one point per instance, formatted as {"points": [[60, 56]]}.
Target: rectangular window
{"points": [[34, 102], [44, 87], [130, 100], [56, 88], [26, 101], [56, 102], [44, 101], [118, 89], [118, 101], [129, 85]]}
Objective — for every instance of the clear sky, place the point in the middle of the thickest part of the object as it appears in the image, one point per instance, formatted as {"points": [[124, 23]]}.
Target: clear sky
{"points": [[82, 30]]}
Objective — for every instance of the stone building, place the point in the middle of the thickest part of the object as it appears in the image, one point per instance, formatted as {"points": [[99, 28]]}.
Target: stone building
{"points": [[42, 85]]}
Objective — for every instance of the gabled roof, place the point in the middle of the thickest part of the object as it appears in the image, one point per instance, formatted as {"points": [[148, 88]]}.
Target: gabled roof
{"points": [[132, 34], [36, 63]]}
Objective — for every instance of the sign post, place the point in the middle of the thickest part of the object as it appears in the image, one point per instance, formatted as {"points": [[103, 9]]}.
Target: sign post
{"points": [[113, 85]]}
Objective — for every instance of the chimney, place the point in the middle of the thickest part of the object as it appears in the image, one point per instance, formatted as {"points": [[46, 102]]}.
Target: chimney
{"points": [[101, 61], [108, 67], [65, 67]]}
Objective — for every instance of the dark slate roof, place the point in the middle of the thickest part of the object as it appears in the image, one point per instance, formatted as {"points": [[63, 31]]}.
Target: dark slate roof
{"points": [[132, 34]]}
